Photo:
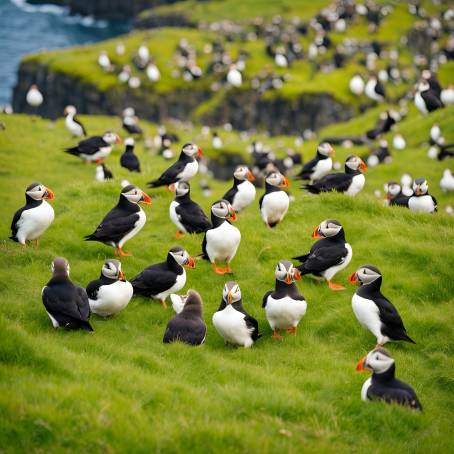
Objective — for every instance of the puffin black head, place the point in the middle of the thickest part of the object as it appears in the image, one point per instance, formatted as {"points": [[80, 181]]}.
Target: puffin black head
{"points": [[377, 361], [223, 210], [112, 270], [277, 179], [60, 267], [365, 274], [181, 256], [327, 229], [420, 186], [392, 189], [111, 138], [193, 302], [243, 173], [135, 195], [285, 272], [38, 191], [192, 150], [180, 188], [355, 164], [231, 292], [325, 149]]}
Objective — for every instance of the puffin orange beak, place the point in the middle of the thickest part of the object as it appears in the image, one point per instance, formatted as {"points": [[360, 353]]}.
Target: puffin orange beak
{"points": [[199, 152], [363, 166], [121, 276], [230, 298], [353, 278], [172, 187], [190, 263], [232, 216], [285, 183], [250, 176], [361, 366], [315, 233], [288, 279], [118, 140], [145, 199], [296, 275], [418, 190], [49, 194]]}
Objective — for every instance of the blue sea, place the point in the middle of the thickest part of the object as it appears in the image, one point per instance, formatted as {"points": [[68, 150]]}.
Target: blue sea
{"points": [[26, 28]]}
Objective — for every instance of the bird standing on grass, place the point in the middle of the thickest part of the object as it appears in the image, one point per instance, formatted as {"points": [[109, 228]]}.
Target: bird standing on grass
{"points": [[242, 193], [73, 125], [275, 202], [96, 148], [421, 201], [129, 159]]}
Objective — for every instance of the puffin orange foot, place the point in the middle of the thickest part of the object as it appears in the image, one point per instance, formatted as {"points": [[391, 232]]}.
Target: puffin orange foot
{"points": [[276, 335], [291, 330], [178, 234], [164, 305], [122, 253], [334, 286]]}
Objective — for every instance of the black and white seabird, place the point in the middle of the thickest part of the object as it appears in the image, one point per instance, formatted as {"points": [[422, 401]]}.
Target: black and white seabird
{"points": [[34, 97], [329, 255], [426, 100], [351, 182], [221, 242], [35, 217], [320, 165], [66, 304], [96, 148], [123, 221], [421, 201], [187, 215], [130, 122], [73, 125], [374, 89], [275, 202], [129, 159], [395, 196], [187, 326], [232, 322], [383, 385], [285, 306], [111, 293], [373, 310], [158, 281], [183, 169], [242, 193], [103, 173]]}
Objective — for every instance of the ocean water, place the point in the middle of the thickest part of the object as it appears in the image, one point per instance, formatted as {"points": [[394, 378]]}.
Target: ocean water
{"points": [[26, 28]]}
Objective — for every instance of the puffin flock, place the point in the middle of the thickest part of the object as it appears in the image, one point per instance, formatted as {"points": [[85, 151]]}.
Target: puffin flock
{"points": [[70, 306]]}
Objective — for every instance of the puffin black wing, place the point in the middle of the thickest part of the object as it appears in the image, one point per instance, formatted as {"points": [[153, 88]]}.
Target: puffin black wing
{"points": [[306, 171], [400, 200], [261, 200], [396, 392], [431, 100], [265, 297], [380, 89], [133, 128], [193, 218], [88, 146], [230, 194], [169, 176], [204, 247], [93, 288], [323, 258], [392, 324], [153, 280], [339, 182], [189, 330], [113, 229]]}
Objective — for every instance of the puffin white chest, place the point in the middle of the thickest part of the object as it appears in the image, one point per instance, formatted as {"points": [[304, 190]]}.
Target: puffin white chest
{"points": [[100, 154], [174, 216], [364, 389], [135, 228], [420, 103], [332, 271], [245, 195], [189, 171], [274, 206], [367, 313], [285, 312], [112, 298], [231, 325], [180, 282], [421, 204], [322, 168], [74, 128], [356, 185], [34, 222], [222, 242]]}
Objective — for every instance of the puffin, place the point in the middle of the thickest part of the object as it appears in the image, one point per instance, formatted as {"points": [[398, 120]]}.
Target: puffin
{"points": [[73, 125], [242, 193], [329, 255], [356, 85], [383, 385], [130, 122], [395, 196], [34, 97], [351, 182], [187, 215], [187, 326], [426, 100], [421, 201], [96, 148], [232, 322], [285, 306], [275, 202], [158, 281], [381, 155], [129, 159], [234, 77], [374, 89], [111, 293], [123, 221], [447, 181], [66, 304], [153, 72], [321, 165], [183, 169], [221, 241], [373, 310], [35, 217], [103, 173]]}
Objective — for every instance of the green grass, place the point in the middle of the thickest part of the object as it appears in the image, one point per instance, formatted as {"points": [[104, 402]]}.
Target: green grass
{"points": [[121, 389]]}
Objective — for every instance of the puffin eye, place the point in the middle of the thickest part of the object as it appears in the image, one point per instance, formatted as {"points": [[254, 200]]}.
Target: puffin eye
{"points": [[377, 357]]}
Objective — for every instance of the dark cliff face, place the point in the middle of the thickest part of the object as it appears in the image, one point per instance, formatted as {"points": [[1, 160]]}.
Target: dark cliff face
{"points": [[244, 109]]}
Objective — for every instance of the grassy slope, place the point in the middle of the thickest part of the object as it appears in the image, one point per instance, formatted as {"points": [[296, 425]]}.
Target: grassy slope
{"points": [[122, 389]]}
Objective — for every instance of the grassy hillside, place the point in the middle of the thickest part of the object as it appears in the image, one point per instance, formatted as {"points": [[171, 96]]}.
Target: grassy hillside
{"points": [[121, 389]]}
